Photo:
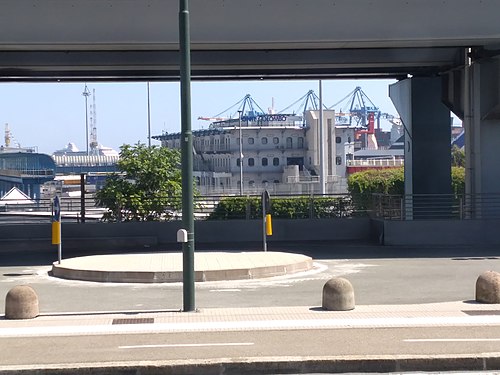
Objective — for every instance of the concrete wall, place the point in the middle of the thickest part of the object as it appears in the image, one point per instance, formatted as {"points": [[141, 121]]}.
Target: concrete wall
{"points": [[441, 232], [96, 237], [110, 236]]}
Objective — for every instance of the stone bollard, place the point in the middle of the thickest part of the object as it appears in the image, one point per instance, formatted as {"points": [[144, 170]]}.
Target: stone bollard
{"points": [[21, 303], [488, 287], [338, 295]]}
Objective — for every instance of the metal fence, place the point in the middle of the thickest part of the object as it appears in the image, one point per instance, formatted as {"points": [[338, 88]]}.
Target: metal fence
{"points": [[205, 207], [286, 206], [436, 206]]}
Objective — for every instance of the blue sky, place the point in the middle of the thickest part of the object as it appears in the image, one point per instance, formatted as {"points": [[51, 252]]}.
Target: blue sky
{"points": [[49, 115]]}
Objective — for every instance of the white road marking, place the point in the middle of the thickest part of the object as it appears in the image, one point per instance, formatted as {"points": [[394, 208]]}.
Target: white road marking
{"points": [[187, 345], [451, 340], [225, 290]]}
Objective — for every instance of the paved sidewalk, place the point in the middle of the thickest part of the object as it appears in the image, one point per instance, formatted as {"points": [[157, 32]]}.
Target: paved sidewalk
{"points": [[257, 318], [262, 319], [167, 266]]}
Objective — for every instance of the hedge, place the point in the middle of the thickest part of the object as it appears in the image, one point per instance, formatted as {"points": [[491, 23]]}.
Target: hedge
{"points": [[282, 208]]}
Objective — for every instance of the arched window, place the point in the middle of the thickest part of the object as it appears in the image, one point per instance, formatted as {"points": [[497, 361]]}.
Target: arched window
{"points": [[300, 142], [251, 162], [264, 162], [276, 161], [251, 141], [289, 142], [264, 141], [276, 140]]}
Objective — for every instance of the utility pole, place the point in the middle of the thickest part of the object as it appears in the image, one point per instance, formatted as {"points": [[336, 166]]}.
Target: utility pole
{"points": [[186, 157], [149, 120], [241, 153], [86, 94], [321, 142]]}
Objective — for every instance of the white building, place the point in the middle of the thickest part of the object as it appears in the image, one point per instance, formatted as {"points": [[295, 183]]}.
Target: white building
{"points": [[281, 153]]}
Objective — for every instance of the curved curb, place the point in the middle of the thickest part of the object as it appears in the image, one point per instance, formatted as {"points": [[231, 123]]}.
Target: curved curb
{"points": [[277, 365], [243, 266]]}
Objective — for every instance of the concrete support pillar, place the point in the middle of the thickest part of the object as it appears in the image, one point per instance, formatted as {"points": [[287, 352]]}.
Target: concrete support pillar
{"points": [[482, 129], [427, 146]]}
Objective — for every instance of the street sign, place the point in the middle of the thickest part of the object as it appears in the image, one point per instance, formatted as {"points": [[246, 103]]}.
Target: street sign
{"points": [[57, 209], [56, 226]]}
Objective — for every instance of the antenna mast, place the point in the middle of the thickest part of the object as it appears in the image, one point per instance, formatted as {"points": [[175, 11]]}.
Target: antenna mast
{"points": [[7, 135], [86, 94], [94, 145]]}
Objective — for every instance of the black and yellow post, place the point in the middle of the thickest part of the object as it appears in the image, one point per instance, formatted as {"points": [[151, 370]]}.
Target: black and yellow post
{"points": [[267, 226], [56, 226]]}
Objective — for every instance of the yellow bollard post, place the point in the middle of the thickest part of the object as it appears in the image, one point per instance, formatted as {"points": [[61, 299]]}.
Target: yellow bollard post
{"points": [[56, 232], [269, 225]]}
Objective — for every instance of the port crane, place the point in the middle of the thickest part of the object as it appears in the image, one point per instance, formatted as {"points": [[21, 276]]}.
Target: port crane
{"points": [[310, 101], [247, 106], [355, 108]]}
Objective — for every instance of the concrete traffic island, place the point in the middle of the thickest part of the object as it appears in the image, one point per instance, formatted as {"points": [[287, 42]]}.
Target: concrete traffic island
{"points": [[167, 267]]}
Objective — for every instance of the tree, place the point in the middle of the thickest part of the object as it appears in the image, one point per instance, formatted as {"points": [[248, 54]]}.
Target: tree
{"points": [[147, 188], [457, 157]]}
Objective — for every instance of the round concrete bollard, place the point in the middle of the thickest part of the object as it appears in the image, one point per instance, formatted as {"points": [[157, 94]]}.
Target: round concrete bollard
{"points": [[21, 303], [338, 295], [488, 287]]}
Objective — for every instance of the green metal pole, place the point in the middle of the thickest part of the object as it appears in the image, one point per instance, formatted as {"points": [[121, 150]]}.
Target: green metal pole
{"points": [[186, 157]]}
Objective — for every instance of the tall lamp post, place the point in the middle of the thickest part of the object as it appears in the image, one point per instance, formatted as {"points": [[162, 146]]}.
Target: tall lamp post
{"points": [[186, 158], [86, 94], [149, 120], [241, 153]]}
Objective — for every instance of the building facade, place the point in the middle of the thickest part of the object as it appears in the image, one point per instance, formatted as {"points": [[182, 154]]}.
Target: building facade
{"points": [[278, 152]]}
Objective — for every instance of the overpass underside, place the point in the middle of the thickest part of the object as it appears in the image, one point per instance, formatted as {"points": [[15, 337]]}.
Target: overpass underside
{"points": [[445, 55], [44, 40]]}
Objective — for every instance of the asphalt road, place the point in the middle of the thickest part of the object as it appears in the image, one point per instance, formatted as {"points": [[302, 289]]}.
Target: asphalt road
{"points": [[277, 343], [378, 277], [375, 281]]}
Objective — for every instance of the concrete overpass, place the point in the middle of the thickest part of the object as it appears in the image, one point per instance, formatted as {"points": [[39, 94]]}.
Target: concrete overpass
{"points": [[130, 39], [445, 53]]}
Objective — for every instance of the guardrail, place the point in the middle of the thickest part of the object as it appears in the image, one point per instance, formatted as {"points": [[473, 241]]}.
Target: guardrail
{"points": [[436, 206]]}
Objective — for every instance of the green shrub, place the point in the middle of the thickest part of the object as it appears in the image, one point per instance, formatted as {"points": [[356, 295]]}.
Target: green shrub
{"points": [[362, 185], [281, 208], [458, 180]]}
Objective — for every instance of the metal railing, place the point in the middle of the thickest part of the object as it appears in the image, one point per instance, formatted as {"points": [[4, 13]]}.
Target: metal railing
{"points": [[376, 163], [436, 206], [205, 207]]}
